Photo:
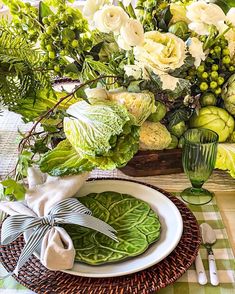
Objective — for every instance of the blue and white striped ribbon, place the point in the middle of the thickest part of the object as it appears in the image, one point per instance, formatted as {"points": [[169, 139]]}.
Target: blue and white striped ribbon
{"points": [[68, 211]]}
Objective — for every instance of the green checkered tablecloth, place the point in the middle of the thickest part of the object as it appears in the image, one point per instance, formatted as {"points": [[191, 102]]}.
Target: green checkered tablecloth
{"points": [[188, 282]]}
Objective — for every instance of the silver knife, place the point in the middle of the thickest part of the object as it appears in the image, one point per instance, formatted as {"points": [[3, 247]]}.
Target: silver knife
{"points": [[209, 238]]}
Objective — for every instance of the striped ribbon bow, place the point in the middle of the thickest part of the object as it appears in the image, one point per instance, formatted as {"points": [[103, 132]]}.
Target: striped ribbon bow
{"points": [[68, 211]]}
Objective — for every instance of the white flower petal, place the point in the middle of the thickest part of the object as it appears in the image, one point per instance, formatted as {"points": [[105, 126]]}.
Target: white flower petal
{"points": [[126, 2], [164, 52], [122, 44], [202, 15], [110, 19], [196, 50], [231, 16], [132, 32], [133, 71]]}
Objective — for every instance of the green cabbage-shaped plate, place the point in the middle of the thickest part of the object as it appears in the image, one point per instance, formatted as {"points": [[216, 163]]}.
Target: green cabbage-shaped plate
{"points": [[136, 223]]}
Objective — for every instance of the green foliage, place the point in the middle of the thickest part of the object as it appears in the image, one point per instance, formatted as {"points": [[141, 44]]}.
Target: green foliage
{"points": [[20, 69], [154, 14], [178, 115], [64, 160], [137, 227], [12, 189], [23, 163]]}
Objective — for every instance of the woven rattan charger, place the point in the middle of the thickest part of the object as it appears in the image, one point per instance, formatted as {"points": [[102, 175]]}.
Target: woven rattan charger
{"points": [[40, 280]]}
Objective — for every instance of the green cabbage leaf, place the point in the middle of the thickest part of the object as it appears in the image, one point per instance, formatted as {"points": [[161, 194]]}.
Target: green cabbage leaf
{"points": [[137, 227], [226, 158], [105, 133], [64, 160]]}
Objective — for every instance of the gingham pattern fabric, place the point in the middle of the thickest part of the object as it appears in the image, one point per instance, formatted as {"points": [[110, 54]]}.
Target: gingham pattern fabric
{"points": [[187, 284]]}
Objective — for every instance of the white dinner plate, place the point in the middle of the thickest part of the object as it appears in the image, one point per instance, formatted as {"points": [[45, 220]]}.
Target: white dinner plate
{"points": [[171, 230]]}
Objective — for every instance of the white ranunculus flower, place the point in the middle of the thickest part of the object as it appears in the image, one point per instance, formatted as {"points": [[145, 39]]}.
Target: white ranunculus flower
{"points": [[196, 50], [122, 43], [231, 16], [162, 51], [133, 71], [132, 32], [202, 15], [110, 19], [91, 6]]}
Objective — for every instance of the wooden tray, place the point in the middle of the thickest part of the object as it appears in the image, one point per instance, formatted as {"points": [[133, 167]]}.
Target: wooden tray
{"points": [[151, 163]]}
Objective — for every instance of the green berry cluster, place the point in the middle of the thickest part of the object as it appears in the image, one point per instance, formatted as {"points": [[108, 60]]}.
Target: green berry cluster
{"points": [[25, 19], [213, 72], [64, 34]]}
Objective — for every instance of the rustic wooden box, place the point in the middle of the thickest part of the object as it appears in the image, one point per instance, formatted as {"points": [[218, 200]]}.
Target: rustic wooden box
{"points": [[151, 163]]}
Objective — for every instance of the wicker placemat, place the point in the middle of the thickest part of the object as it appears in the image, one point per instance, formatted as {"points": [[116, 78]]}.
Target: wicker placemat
{"points": [[39, 279]]}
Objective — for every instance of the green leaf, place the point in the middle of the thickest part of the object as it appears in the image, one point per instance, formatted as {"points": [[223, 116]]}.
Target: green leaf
{"points": [[44, 11], [24, 162], [188, 63], [13, 188], [178, 115], [64, 160], [164, 18], [137, 227], [72, 68]]}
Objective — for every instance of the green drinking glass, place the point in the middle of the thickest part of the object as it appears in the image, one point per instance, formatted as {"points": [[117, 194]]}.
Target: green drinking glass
{"points": [[199, 156]]}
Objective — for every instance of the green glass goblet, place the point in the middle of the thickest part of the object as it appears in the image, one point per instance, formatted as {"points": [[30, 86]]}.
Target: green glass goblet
{"points": [[199, 156]]}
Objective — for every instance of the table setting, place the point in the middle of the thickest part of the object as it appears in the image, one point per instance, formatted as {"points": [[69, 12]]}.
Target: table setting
{"points": [[117, 135]]}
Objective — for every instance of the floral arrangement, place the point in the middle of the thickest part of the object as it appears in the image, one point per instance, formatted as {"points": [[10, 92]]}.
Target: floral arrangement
{"points": [[146, 74]]}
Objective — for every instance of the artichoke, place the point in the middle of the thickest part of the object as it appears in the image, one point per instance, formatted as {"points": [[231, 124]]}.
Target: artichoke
{"points": [[215, 119], [228, 95]]}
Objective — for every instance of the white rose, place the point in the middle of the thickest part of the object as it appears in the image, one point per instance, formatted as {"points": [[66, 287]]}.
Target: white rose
{"points": [[231, 16], [196, 50], [202, 15], [164, 52], [91, 6], [132, 32], [110, 19], [133, 71]]}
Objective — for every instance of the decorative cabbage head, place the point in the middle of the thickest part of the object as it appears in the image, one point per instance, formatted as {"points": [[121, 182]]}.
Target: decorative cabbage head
{"points": [[141, 105], [105, 133]]}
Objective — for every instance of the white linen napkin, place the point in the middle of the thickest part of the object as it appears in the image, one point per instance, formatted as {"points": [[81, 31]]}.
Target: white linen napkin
{"points": [[57, 250]]}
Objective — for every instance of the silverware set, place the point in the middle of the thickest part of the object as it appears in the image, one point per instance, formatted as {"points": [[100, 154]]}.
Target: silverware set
{"points": [[208, 239]]}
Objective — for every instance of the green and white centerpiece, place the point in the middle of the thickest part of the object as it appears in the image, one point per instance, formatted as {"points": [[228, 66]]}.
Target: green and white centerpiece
{"points": [[146, 74]]}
